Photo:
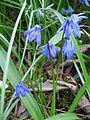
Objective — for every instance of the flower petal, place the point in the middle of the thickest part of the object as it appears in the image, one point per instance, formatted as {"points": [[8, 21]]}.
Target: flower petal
{"points": [[25, 88], [29, 31], [53, 50], [68, 49], [34, 33], [18, 91]]}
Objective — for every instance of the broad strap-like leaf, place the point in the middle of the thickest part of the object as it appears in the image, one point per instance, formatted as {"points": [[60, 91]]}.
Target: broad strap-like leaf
{"points": [[64, 116], [14, 77]]}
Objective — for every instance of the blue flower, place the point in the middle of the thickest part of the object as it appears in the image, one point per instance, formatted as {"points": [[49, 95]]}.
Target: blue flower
{"points": [[85, 2], [68, 11], [21, 90], [68, 49], [53, 50], [76, 18], [34, 33], [71, 25]]}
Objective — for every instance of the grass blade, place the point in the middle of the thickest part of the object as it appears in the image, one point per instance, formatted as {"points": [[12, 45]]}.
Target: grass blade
{"points": [[64, 116], [8, 58]]}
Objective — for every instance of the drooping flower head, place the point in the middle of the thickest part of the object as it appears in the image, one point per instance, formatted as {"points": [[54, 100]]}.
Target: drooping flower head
{"points": [[21, 90], [68, 49], [34, 33], [85, 2], [77, 17], [71, 25], [53, 50]]}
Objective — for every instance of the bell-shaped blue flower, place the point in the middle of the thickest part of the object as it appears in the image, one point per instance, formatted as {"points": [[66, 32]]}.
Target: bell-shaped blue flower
{"points": [[68, 49], [71, 25], [50, 50], [34, 33], [85, 2], [21, 90]]}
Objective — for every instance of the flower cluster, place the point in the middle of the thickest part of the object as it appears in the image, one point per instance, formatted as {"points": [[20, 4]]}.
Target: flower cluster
{"points": [[35, 33], [69, 26]]}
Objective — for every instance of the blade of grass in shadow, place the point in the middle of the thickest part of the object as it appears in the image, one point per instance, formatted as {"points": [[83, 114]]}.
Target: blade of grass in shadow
{"points": [[81, 61], [87, 34], [9, 104], [86, 57], [30, 21], [59, 15], [13, 2], [58, 7], [79, 96], [80, 75], [78, 71], [4, 43], [10, 109], [9, 5], [86, 77]]}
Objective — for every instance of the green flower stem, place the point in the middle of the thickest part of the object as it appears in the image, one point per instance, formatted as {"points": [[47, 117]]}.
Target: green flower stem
{"points": [[31, 67]]}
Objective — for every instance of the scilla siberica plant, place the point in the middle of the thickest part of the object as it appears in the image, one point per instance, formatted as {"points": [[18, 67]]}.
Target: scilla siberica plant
{"points": [[40, 14], [69, 26], [68, 49]]}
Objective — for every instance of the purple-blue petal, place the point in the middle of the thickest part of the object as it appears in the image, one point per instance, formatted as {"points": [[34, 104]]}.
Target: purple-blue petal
{"points": [[29, 31], [68, 49], [68, 30], [53, 51], [34, 33], [76, 30], [46, 51], [62, 26], [32, 36], [18, 91], [25, 88], [21, 90]]}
